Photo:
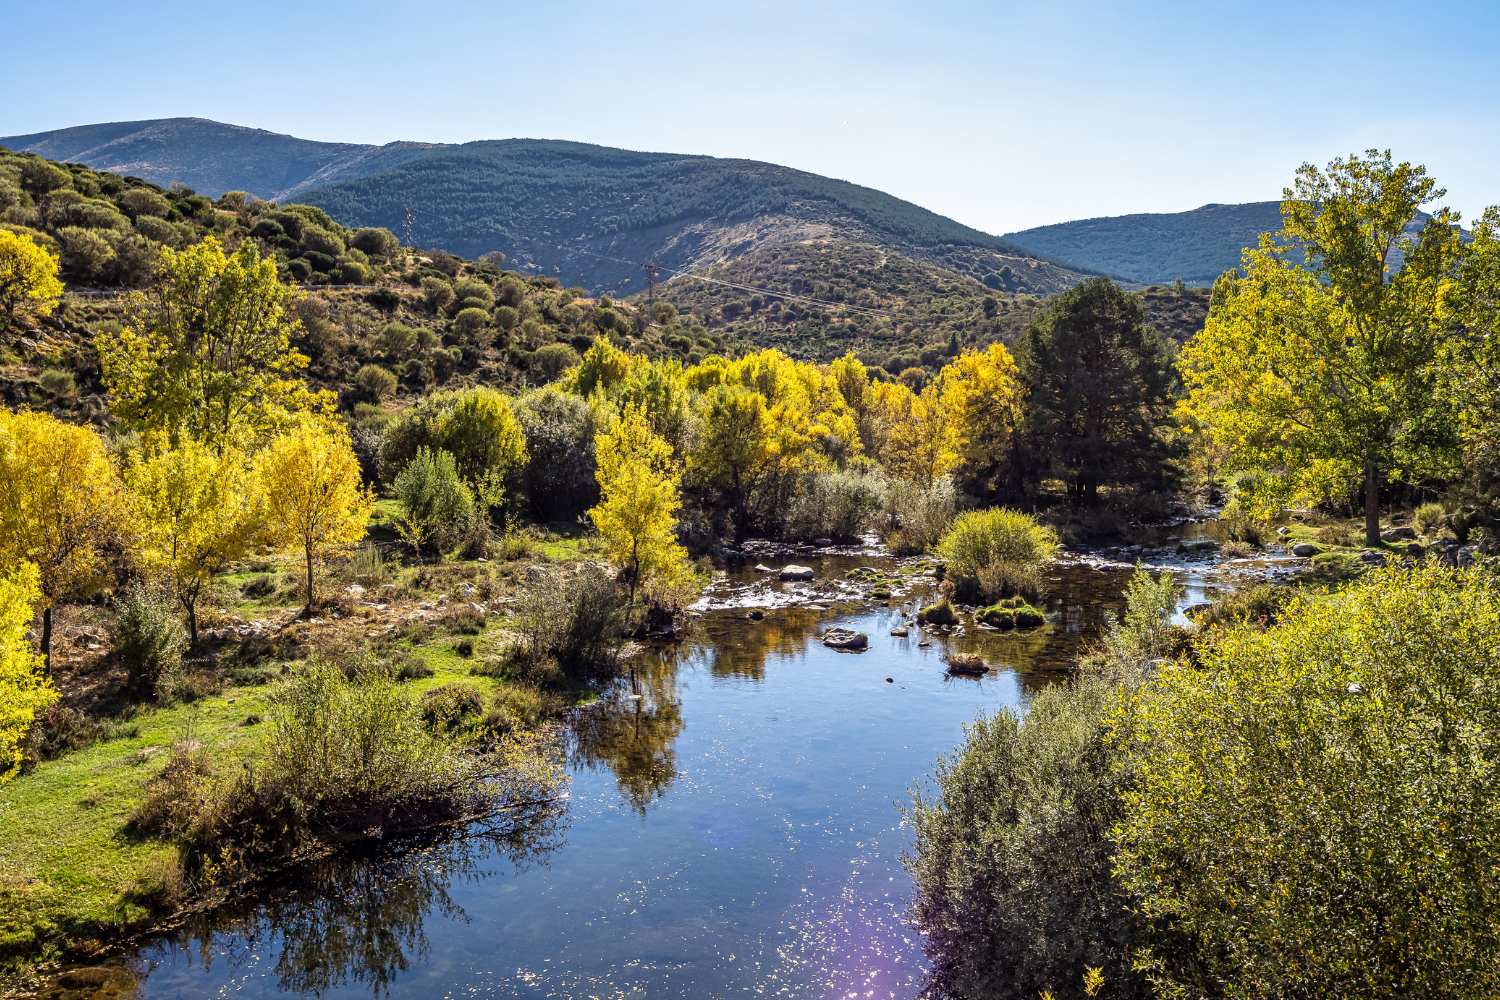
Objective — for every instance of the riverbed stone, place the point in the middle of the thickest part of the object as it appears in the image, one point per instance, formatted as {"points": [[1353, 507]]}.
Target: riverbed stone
{"points": [[1305, 550], [846, 639], [1401, 534], [793, 571]]}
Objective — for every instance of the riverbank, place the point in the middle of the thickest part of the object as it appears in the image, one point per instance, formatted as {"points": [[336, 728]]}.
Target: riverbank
{"points": [[75, 879]]}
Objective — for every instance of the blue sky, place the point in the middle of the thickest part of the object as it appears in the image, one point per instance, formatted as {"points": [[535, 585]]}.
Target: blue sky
{"points": [[1002, 115]]}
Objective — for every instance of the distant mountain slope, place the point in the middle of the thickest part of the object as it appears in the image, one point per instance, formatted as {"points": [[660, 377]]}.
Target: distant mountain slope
{"points": [[1155, 248], [211, 157]]}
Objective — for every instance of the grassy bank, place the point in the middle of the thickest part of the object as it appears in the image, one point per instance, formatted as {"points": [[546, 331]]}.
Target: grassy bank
{"points": [[74, 877]]}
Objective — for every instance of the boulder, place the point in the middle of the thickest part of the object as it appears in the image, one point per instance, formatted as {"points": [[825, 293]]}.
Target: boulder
{"points": [[968, 664], [755, 614], [1305, 550], [846, 639], [763, 568], [792, 571], [1415, 550], [1201, 546], [1372, 558], [900, 632], [1401, 534]]}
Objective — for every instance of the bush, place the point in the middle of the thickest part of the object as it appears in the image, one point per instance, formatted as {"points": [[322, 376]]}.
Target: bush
{"points": [[438, 513], [149, 640], [571, 624], [916, 516], [549, 361], [470, 323], [1429, 518], [1314, 803], [516, 708], [839, 505], [1015, 892], [58, 383], [996, 553], [1237, 523], [451, 707], [376, 382], [374, 241], [437, 293], [559, 473]]}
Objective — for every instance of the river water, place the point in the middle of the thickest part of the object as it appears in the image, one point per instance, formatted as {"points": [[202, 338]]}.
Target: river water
{"points": [[733, 827]]}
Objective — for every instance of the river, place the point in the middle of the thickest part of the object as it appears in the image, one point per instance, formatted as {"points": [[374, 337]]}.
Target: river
{"points": [[733, 826]]}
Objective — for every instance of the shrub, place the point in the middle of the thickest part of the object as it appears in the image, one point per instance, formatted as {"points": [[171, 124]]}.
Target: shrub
{"points": [[559, 473], [941, 613], [376, 382], [437, 293], [375, 241], [1340, 535], [149, 639], [996, 553], [58, 383], [1314, 803], [1259, 606], [1238, 523], [470, 322], [178, 797], [1015, 892], [916, 515], [549, 361], [838, 505], [1145, 631], [569, 623], [516, 708], [438, 512], [450, 707], [1429, 518]]}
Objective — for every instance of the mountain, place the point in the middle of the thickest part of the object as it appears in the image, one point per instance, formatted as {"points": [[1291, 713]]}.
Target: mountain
{"points": [[1194, 247], [211, 157]]}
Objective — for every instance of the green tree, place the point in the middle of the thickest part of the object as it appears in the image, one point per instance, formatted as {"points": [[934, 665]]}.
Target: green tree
{"points": [[208, 354], [1318, 356], [1314, 805], [1098, 386], [437, 508]]}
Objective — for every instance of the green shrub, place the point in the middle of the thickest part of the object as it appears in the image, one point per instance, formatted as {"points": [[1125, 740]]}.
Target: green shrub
{"points": [[549, 361], [941, 613], [839, 505], [1145, 631], [438, 513], [917, 515], [1015, 893], [516, 708], [149, 639], [1012, 612], [1314, 803], [58, 383], [450, 707], [558, 478], [996, 553], [1429, 518], [375, 382], [569, 623]]}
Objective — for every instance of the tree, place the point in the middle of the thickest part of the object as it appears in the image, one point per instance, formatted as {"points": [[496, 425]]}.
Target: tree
{"points": [[196, 512], [28, 277], [208, 354], [308, 478], [1320, 352], [559, 476], [1470, 372], [639, 496], [1098, 385], [1313, 805], [24, 688], [980, 397], [437, 508], [61, 507]]}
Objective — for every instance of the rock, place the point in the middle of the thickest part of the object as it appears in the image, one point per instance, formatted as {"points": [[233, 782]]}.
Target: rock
{"points": [[923, 643], [822, 543], [1198, 545], [1305, 550], [1415, 550], [755, 614], [900, 632], [792, 571], [354, 591], [846, 639], [763, 568], [1402, 534], [968, 664], [940, 613], [890, 680], [1372, 558]]}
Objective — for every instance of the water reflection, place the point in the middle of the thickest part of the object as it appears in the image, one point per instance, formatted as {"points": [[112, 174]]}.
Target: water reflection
{"points": [[351, 921], [632, 728]]}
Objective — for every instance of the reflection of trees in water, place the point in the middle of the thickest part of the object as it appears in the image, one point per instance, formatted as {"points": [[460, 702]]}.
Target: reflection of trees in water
{"points": [[354, 921], [631, 728], [742, 647]]}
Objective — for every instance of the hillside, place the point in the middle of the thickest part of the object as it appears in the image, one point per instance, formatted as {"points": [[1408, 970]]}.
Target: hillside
{"points": [[1157, 248], [211, 157]]}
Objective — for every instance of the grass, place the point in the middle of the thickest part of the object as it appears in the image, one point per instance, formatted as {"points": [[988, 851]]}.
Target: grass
{"points": [[71, 878]]}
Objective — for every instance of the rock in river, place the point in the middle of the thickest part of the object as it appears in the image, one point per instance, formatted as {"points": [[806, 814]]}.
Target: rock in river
{"points": [[1305, 550], [791, 571], [847, 639]]}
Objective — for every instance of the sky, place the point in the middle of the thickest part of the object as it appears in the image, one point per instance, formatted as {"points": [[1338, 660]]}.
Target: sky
{"points": [[1001, 115]]}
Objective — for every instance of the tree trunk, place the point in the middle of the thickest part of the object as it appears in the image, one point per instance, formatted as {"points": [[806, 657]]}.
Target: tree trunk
{"points": [[1372, 505], [309, 579], [192, 616], [47, 639]]}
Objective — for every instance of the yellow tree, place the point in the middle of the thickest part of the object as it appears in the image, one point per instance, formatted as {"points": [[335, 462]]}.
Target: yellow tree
{"points": [[208, 354], [28, 277], [918, 442], [61, 506], [639, 497], [24, 689], [982, 398], [196, 513], [308, 481]]}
